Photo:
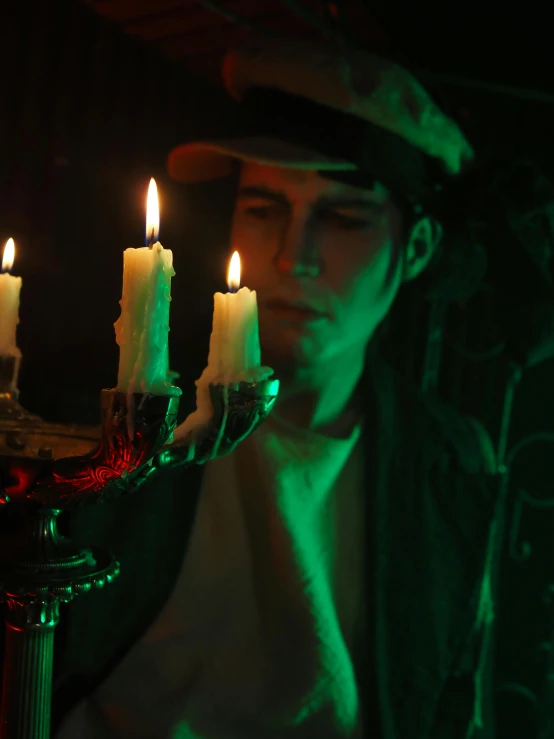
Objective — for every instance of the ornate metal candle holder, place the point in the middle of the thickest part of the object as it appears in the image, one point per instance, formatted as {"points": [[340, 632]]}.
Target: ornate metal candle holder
{"points": [[48, 468]]}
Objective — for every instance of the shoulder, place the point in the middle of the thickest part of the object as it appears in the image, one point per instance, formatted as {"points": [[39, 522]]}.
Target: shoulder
{"points": [[436, 429]]}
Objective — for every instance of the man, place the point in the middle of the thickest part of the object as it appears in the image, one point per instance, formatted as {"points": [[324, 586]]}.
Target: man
{"points": [[331, 577]]}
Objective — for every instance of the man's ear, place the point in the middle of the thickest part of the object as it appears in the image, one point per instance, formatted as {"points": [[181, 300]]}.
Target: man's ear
{"points": [[423, 240]]}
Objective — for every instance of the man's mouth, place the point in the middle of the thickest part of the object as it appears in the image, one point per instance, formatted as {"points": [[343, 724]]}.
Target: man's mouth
{"points": [[294, 310]]}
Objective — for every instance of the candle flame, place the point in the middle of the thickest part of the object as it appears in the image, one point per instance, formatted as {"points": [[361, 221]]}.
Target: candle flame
{"points": [[152, 214], [233, 276], [9, 255]]}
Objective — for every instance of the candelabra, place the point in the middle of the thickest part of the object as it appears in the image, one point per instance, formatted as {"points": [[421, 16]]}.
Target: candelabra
{"points": [[48, 468]]}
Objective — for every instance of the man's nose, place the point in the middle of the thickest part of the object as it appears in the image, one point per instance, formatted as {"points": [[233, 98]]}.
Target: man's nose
{"points": [[298, 251]]}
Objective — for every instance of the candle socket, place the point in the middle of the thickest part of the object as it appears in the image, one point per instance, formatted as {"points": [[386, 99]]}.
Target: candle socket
{"points": [[238, 410], [9, 372]]}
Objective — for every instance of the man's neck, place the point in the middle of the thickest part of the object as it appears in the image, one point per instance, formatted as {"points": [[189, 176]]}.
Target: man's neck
{"points": [[323, 399]]}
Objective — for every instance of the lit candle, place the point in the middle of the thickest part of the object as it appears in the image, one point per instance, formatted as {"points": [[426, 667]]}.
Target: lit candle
{"points": [[234, 354], [10, 288], [142, 329], [234, 343]]}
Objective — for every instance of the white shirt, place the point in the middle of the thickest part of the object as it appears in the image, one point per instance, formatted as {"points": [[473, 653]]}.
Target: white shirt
{"points": [[255, 639]]}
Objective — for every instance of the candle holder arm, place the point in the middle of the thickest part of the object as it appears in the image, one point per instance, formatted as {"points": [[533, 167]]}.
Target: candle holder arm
{"points": [[135, 427], [237, 412]]}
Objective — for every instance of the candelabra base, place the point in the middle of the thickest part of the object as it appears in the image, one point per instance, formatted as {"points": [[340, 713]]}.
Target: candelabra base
{"points": [[39, 570]]}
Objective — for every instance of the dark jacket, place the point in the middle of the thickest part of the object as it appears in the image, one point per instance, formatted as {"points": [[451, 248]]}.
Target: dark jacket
{"points": [[429, 512]]}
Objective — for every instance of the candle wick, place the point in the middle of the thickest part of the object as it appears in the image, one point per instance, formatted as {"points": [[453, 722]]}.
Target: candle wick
{"points": [[151, 238]]}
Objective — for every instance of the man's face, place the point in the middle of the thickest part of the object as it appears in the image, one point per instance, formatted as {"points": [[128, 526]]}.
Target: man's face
{"points": [[323, 259]]}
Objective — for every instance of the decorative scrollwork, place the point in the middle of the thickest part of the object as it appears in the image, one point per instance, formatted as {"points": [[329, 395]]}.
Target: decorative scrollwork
{"points": [[39, 601], [237, 413], [519, 549], [516, 694], [135, 427]]}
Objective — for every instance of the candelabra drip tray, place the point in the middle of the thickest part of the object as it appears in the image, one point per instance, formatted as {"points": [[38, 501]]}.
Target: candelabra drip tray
{"points": [[23, 434]]}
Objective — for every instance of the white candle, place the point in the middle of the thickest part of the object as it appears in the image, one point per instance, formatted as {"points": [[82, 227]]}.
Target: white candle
{"points": [[142, 328], [10, 288], [234, 342], [234, 354]]}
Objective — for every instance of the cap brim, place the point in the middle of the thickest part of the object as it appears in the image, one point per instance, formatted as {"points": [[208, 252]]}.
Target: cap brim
{"points": [[200, 161]]}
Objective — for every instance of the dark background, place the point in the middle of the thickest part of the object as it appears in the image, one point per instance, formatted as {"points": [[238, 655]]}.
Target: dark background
{"points": [[93, 98]]}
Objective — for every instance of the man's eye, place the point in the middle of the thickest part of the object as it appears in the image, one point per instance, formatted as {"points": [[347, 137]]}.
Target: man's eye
{"points": [[258, 211]]}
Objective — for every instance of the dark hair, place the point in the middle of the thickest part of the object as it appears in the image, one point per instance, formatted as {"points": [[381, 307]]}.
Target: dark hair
{"points": [[503, 214]]}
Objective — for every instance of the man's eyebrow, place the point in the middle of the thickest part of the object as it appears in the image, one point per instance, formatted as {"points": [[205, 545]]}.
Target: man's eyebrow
{"points": [[264, 193], [326, 202]]}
